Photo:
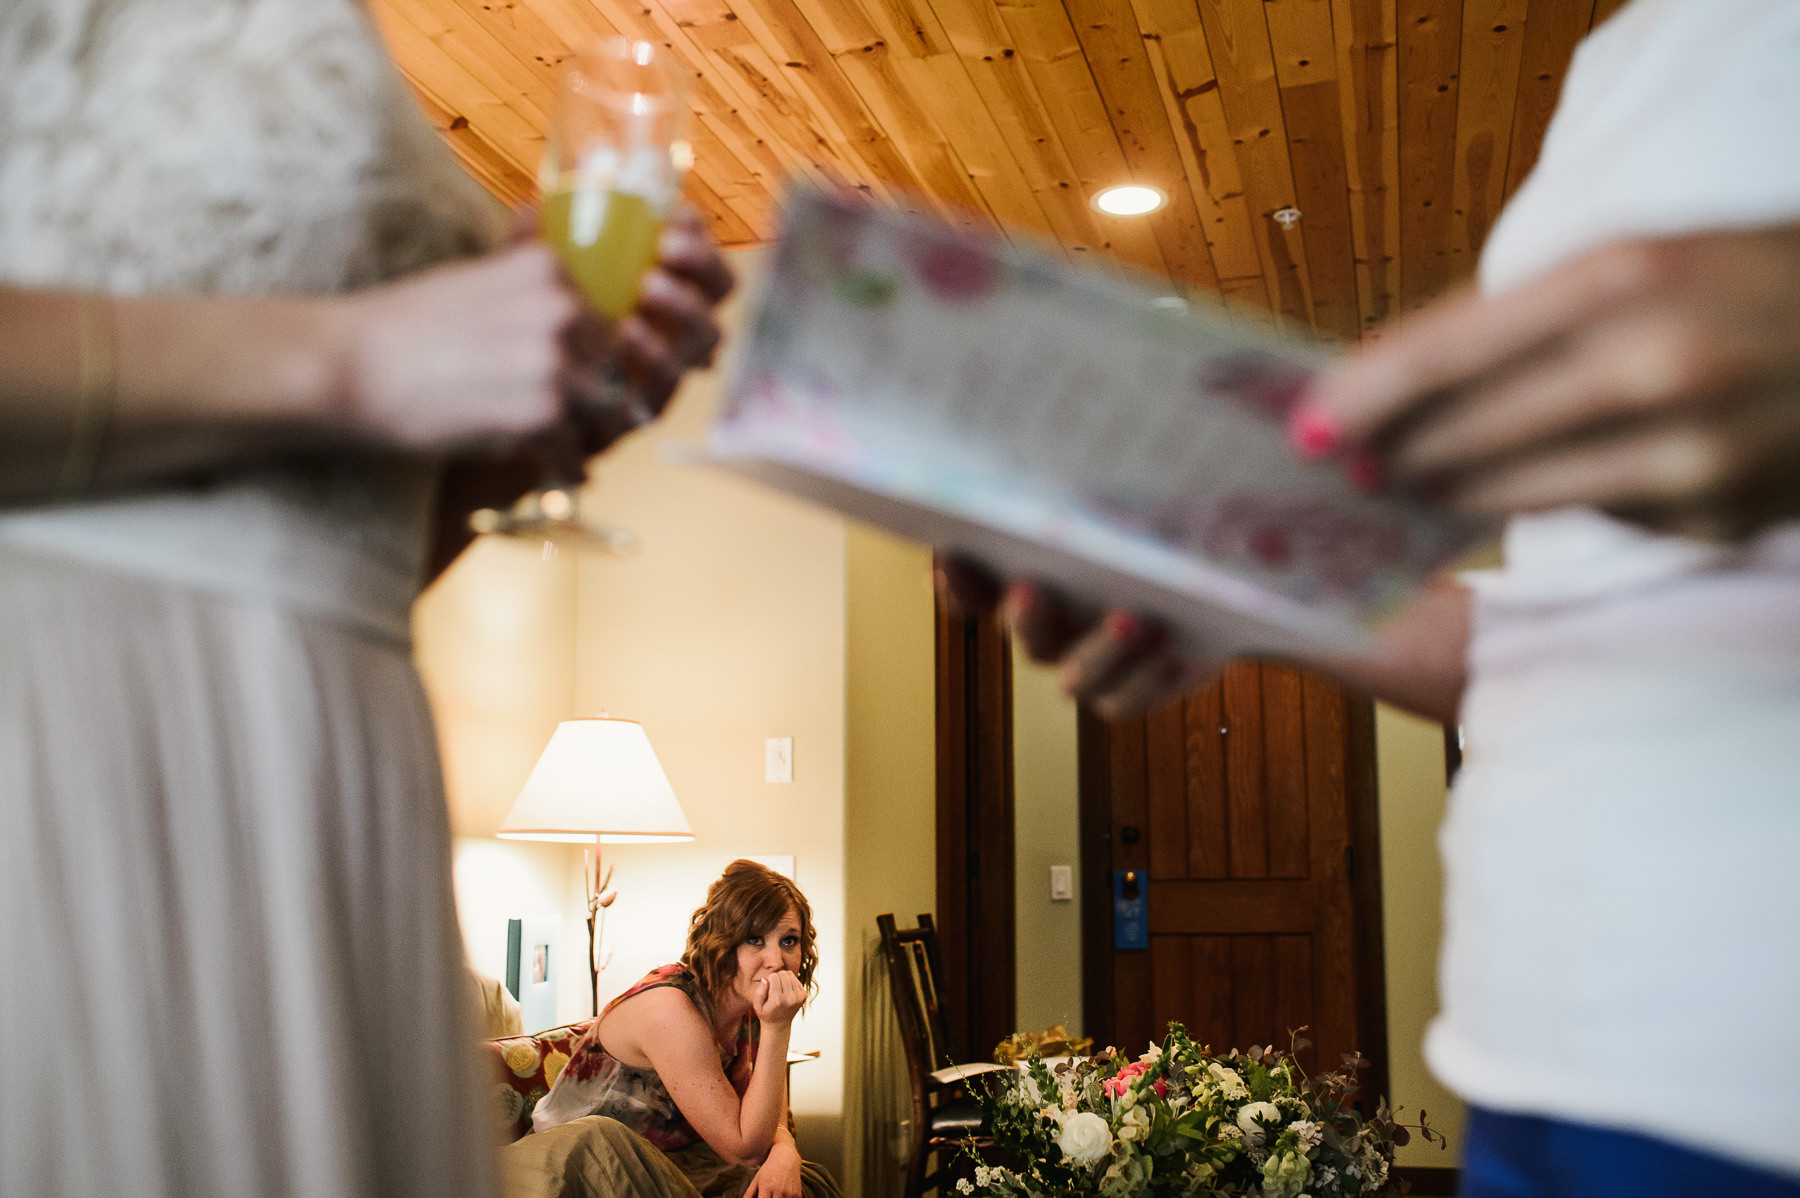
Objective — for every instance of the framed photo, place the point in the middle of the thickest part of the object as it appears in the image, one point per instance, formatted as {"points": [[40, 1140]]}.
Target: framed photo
{"points": [[532, 949]]}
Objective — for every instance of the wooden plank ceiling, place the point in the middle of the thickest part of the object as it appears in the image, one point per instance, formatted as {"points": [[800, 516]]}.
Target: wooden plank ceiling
{"points": [[1396, 127]]}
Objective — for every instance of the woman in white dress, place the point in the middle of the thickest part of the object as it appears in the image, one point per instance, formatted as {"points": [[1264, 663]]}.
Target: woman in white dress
{"points": [[228, 958]]}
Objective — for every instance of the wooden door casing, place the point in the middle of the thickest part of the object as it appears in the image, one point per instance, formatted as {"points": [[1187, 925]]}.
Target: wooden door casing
{"points": [[975, 896], [1254, 804]]}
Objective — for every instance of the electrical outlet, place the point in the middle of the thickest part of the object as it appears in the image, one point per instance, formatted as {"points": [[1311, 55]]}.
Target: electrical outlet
{"points": [[1062, 883], [778, 759]]}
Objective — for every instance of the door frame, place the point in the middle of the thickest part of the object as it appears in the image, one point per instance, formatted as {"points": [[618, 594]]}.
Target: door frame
{"points": [[975, 841]]}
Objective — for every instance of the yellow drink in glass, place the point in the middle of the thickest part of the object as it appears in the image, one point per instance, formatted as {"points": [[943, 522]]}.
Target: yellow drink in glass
{"points": [[606, 240]]}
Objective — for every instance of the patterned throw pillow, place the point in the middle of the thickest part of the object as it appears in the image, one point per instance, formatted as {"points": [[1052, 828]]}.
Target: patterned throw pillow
{"points": [[523, 1068]]}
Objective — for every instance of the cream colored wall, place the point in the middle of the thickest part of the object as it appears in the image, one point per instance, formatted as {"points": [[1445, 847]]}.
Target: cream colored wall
{"points": [[890, 829], [1410, 760], [1046, 832], [492, 639]]}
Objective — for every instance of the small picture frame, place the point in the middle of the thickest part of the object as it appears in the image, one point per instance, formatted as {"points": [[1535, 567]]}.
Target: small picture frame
{"points": [[532, 949]]}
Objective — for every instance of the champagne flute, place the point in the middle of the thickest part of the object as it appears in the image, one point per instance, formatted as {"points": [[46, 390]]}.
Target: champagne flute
{"points": [[610, 176], [612, 168]]}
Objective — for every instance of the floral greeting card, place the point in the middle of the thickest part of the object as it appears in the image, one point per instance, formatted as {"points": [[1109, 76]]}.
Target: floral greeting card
{"points": [[1065, 423]]}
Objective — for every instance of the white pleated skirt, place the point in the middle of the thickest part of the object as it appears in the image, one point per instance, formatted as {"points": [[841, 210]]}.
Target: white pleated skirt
{"points": [[229, 962]]}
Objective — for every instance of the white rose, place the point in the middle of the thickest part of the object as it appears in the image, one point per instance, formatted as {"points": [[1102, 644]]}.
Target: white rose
{"points": [[1253, 1111], [1084, 1138]]}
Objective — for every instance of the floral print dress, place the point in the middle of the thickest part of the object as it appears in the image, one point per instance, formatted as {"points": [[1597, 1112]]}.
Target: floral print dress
{"points": [[594, 1082]]}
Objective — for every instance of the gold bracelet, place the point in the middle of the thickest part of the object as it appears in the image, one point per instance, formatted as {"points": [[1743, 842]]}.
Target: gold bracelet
{"points": [[94, 403]]}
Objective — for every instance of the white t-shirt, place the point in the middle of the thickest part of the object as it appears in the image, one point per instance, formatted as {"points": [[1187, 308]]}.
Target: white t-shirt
{"points": [[1622, 941]]}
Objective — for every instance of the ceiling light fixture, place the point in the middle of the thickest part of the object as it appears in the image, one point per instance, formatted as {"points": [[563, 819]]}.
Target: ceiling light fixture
{"points": [[1130, 201]]}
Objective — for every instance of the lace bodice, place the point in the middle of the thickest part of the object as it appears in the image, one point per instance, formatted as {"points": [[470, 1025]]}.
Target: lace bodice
{"points": [[217, 145], [239, 147]]}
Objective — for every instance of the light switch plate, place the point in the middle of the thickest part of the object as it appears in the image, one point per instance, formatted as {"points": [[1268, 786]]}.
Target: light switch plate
{"points": [[778, 759], [1062, 884]]}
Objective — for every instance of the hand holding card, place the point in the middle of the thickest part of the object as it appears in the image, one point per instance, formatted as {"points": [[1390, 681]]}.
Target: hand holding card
{"points": [[1063, 423]]}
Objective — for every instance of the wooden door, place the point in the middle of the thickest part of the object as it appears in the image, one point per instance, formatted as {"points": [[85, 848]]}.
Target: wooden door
{"points": [[1249, 805]]}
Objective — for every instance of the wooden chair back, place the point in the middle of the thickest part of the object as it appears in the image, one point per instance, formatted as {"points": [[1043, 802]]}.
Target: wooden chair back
{"points": [[915, 973], [942, 1115]]}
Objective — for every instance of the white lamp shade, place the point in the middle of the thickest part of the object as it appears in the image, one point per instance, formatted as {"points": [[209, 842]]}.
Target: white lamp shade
{"points": [[597, 778]]}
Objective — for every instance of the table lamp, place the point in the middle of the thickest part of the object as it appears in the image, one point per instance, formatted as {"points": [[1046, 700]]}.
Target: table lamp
{"points": [[597, 781]]}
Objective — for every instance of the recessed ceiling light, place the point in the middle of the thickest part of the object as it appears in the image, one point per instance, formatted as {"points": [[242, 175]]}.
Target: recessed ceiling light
{"points": [[1130, 201]]}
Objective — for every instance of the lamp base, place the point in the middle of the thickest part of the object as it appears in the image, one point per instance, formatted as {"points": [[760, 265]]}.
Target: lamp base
{"points": [[593, 960]]}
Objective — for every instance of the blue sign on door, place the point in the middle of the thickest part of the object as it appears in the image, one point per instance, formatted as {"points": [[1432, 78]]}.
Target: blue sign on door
{"points": [[1131, 909]]}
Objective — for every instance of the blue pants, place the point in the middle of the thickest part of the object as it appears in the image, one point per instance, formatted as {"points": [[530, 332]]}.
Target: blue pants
{"points": [[1522, 1156]]}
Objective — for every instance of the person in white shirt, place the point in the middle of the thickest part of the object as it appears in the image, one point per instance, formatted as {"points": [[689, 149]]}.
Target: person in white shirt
{"points": [[1618, 977]]}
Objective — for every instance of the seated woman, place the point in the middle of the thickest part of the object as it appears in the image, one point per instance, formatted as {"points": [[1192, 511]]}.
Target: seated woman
{"points": [[694, 1057]]}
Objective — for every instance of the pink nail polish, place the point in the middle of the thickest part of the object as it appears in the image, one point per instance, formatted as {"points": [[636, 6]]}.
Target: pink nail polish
{"points": [[1121, 626], [1365, 473], [1312, 433]]}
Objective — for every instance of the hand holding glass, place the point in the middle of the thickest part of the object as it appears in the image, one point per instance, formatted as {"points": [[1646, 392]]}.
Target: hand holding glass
{"points": [[610, 177]]}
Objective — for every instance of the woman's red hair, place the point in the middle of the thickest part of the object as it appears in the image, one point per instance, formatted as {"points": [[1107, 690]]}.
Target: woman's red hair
{"points": [[747, 900]]}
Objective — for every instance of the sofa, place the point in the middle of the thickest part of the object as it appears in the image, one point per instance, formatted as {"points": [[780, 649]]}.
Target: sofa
{"points": [[521, 1069]]}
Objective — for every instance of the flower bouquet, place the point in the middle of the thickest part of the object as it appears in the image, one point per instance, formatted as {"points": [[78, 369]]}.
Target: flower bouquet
{"points": [[1181, 1121]]}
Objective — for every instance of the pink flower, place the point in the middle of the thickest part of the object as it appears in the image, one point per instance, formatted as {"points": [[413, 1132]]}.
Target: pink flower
{"points": [[1121, 1081], [959, 273]]}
